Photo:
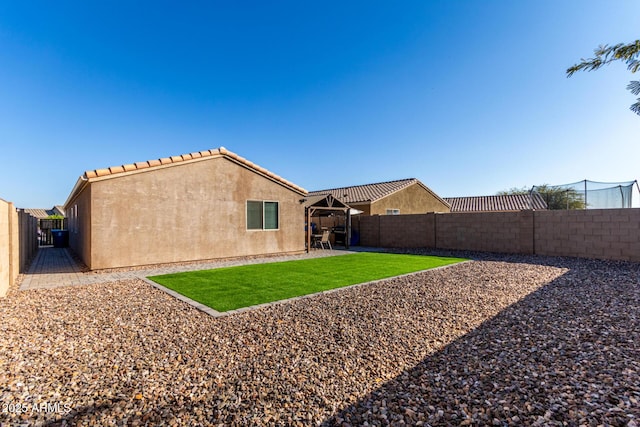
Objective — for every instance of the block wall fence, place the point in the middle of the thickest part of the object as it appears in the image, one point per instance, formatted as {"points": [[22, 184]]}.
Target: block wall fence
{"points": [[18, 243], [600, 233]]}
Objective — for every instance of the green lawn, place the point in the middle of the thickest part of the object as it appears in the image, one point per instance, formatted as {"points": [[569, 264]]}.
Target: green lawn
{"points": [[230, 288]]}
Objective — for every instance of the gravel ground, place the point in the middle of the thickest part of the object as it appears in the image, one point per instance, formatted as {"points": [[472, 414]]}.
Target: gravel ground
{"points": [[501, 340]]}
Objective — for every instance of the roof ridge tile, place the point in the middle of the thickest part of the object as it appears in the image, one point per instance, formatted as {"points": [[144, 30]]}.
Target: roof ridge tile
{"points": [[221, 151], [498, 202]]}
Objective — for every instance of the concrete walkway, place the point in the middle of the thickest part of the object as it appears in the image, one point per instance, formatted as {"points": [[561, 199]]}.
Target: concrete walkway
{"points": [[54, 267]]}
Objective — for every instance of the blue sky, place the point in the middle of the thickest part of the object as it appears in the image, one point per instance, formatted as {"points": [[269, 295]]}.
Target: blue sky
{"points": [[470, 97]]}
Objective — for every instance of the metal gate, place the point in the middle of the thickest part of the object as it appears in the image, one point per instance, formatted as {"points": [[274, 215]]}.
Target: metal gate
{"points": [[45, 238]]}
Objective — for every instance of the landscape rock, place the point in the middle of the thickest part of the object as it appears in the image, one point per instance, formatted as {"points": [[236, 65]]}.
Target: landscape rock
{"points": [[501, 340]]}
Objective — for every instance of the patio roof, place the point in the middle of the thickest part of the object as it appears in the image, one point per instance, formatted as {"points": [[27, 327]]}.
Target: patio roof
{"points": [[325, 204]]}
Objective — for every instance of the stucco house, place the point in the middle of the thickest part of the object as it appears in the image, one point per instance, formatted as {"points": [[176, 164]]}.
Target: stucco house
{"points": [[46, 223], [205, 205], [45, 213], [399, 197]]}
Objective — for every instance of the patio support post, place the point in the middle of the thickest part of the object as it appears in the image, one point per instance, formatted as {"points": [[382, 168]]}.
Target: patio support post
{"points": [[308, 236], [347, 237]]}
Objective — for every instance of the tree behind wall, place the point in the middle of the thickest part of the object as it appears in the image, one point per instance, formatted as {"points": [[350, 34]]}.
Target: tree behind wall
{"points": [[557, 198]]}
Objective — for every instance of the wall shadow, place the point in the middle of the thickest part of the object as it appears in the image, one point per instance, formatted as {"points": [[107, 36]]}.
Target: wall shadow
{"points": [[566, 354], [51, 260]]}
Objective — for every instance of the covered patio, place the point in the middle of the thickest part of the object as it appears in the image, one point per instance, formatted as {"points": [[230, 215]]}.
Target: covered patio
{"points": [[325, 206]]}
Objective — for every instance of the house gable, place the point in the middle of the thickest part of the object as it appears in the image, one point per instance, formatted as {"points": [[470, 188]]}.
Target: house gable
{"points": [[410, 195], [415, 198], [181, 210], [97, 175]]}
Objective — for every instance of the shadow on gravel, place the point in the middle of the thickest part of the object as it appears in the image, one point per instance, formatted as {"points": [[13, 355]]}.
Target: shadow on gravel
{"points": [[51, 260], [68, 419], [567, 354]]}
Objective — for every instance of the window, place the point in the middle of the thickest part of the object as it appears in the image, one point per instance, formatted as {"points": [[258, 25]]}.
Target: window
{"points": [[254, 215], [262, 215], [72, 218], [270, 215], [393, 211]]}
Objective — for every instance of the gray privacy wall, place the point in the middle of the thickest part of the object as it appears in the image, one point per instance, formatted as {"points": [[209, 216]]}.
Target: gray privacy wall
{"points": [[599, 233]]}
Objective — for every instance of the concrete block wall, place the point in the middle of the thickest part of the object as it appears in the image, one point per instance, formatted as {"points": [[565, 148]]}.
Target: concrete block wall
{"points": [[394, 231], [369, 229], [507, 232], [602, 234], [407, 231]]}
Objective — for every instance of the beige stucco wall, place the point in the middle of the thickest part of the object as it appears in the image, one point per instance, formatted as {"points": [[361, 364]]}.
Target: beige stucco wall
{"points": [[25, 238], [187, 211], [5, 244], [78, 213], [14, 246], [414, 199], [9, 246], [364, 207]]}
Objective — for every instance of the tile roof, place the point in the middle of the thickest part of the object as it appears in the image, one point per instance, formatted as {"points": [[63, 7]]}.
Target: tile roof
{"points": [[369, 192], [45, 213], [510, 202], [217, 152], [39, 213], [59, 209]]}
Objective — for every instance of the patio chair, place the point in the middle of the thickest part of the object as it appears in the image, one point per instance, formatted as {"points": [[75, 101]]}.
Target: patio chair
{"points": [[324, 240]]}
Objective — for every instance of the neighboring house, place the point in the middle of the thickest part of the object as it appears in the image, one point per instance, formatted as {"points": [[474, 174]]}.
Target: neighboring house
{"points": [[205, 205], [45, 224], [404, 196], [45, 213], [504, 203]]}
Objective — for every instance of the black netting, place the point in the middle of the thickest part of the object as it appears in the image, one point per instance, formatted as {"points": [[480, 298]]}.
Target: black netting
{"points": [[587, 195]]}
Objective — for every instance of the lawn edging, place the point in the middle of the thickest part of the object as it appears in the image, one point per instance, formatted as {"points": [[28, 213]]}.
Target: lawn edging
{"points": [[214, 313], [206, 309]]}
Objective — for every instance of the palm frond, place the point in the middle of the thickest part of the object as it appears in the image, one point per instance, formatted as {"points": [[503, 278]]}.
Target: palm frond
{"points": [[606, 54], [633, 65], [636, 107], [634, 87]]}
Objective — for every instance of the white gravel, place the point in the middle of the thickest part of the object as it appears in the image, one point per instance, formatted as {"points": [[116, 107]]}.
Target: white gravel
{"points": [[501, 340]]}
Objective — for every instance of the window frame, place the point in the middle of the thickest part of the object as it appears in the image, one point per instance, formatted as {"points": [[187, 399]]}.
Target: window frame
{"points": [[263, 212]]}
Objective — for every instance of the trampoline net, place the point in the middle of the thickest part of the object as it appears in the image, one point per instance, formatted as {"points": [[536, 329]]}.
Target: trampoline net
{"points": [[587, 195]]}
